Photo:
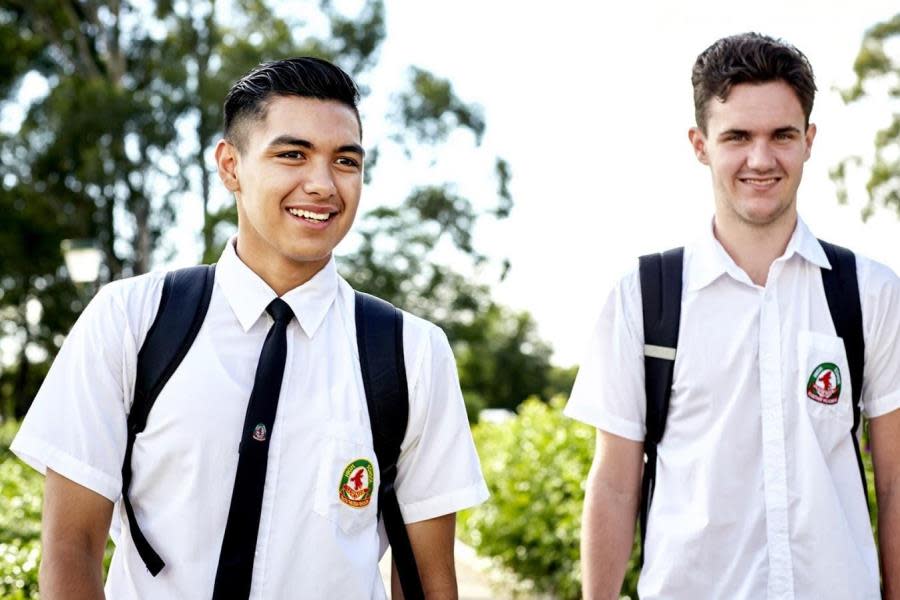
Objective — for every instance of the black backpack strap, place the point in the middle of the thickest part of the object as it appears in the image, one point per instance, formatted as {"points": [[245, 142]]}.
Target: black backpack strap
{"points": [[182, 308], [660, 276], [379, 339], [842, 292]]}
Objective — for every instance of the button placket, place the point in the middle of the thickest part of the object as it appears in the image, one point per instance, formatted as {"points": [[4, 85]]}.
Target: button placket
{"points": [[781, 578]]}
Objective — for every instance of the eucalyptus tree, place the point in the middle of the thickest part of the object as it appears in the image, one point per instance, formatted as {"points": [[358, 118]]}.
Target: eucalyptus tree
{"points": [[877, 65]]}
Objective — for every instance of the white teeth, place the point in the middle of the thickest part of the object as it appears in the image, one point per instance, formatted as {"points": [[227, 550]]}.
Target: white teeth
{"points": [[761, 181], [306, 214]]}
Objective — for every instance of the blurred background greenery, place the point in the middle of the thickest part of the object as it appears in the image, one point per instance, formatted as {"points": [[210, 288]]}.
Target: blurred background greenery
{"points": [[119, 143]]}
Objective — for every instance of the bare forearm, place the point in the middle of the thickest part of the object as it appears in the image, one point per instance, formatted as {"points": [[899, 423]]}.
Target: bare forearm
{"points": [[70, 575], [441, 589], [432, 544], [74, 530], [889, 538], [606, 540], [884, 433]]}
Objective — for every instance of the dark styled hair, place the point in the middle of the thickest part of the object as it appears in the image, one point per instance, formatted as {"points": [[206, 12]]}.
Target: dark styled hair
{"points": [[749, 58], [303, 76]]}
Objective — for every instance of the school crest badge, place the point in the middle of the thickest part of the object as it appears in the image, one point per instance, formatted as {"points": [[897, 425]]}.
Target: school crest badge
{"points": [[357, 483], [824, 384]]}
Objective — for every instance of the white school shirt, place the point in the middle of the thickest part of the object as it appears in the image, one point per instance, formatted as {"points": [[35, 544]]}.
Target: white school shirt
{"points": [[758, 492], [311, 543]]}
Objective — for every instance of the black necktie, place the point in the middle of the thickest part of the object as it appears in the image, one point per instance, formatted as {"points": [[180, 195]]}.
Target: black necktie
{"points": [[239, 544]]}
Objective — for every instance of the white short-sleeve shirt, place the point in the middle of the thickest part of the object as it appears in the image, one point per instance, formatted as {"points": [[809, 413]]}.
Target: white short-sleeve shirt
{"points": [[758, 491], [311, 542]]}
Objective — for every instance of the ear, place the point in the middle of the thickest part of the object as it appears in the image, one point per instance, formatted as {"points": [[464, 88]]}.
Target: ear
{"points": [[698, 142], [227, 157], [810, 136]]}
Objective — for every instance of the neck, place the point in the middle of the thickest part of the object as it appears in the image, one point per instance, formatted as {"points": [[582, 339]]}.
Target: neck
{"points": [[280, 273], [753, 247]]}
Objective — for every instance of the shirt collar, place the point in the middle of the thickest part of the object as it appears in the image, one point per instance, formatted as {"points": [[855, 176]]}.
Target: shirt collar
{"points": [[248, 295], [804, 243], [709, 260]]}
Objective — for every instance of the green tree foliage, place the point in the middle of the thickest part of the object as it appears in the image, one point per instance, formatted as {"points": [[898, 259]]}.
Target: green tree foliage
{"points": [[878, 63]]}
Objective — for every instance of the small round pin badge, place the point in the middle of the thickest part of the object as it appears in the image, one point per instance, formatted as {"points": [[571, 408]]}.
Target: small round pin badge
{"points": [[259, 432]]}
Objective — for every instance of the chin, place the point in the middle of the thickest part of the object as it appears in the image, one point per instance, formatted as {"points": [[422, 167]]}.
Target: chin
{"points": [[762, 212], [306, 258]]}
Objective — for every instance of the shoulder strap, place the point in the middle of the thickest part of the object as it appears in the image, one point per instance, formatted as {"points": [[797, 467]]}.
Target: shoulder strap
{"points": [[842, 292], [182, 308], [379, 339], [660, 276]]}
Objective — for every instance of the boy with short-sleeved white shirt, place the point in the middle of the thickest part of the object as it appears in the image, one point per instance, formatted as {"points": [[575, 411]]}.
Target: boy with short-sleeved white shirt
{"points": [[293, 159], [757, 491]]}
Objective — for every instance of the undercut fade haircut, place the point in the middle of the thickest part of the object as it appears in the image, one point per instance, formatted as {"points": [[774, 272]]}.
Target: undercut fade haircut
{"points": [[749, 58], [303, 76]]}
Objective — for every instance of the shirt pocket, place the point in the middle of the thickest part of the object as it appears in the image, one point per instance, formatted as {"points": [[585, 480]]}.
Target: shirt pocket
{"points": [[347, 481], [823, 386]]}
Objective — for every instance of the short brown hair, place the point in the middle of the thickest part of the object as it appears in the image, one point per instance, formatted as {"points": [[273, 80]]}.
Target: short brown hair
{"points": [[749, 58]]}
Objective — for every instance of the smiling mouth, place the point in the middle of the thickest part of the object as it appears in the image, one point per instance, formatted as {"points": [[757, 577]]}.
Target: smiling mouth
{"points": [[759, 181], [312, 217]]}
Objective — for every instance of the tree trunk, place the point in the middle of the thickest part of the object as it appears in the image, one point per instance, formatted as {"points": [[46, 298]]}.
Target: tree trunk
{"points": [[204, 48]]}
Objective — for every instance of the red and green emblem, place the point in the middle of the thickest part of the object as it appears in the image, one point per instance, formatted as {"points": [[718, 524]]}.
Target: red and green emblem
{"points": [[357, 483], [825, 384]]}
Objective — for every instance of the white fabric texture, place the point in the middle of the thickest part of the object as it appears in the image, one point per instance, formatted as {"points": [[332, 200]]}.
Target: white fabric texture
{"points": [[758, 492], [310, 543]]}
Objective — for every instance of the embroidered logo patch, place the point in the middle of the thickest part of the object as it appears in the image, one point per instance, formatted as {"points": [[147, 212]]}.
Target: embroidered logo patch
{"points": [[259, 433], [824, 384], [357, 483]]}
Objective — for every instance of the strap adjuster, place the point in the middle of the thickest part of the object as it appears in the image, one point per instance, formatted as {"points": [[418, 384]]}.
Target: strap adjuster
{"points": [[663, 352]]}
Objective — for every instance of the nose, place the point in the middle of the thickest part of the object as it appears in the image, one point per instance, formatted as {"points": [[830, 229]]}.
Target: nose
{"points": [[319, 181], [761, 157]]}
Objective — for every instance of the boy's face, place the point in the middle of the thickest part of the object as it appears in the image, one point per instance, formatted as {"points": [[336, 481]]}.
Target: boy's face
{"points": [[297, 183], [755, 146]]}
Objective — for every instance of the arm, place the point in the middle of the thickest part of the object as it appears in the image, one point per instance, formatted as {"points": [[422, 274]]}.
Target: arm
{"points": [[885, 436], [432, 543], [610, 509], [74, 530]]}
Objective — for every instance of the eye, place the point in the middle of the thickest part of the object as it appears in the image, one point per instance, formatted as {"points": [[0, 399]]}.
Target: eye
{"points": [[346, 161], [291, 155], [784, 136], [736, 137]]}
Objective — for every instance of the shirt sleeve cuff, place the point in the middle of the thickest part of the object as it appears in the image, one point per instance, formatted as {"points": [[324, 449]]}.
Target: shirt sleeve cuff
{"points": [[883, 405], [41, 456], [445, 504], [606, 422]]}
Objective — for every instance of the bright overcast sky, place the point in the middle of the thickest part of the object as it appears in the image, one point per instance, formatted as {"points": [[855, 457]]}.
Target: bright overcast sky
{"points": [[591, 103]]}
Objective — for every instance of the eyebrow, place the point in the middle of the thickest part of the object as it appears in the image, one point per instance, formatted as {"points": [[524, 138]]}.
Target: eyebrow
{"points": [[735, 132], [288, 140]]}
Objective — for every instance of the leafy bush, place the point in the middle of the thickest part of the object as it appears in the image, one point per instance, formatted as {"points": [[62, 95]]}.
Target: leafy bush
{"points": [[20, 522], [535, 465]]}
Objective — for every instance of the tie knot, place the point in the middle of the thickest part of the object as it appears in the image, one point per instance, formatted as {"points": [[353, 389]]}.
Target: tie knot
{"points": [[279, 310]]}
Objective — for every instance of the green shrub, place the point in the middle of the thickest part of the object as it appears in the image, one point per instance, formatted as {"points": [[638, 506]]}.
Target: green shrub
{"points": [[535, 465], [20, 523]]}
